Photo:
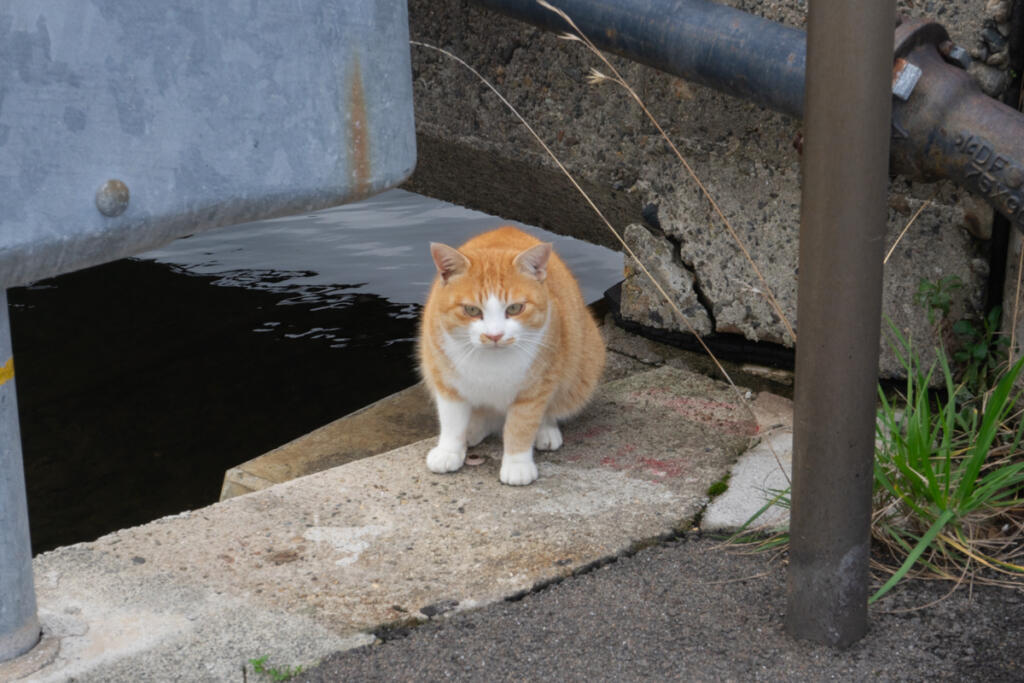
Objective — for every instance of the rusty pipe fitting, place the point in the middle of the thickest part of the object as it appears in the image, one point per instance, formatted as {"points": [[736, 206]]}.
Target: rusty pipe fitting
{"points": [[947, 128]]}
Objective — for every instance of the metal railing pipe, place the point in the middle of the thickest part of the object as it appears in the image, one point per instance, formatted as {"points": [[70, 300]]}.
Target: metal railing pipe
{"points": [[19, 625], [839, 302], [723, 48]]}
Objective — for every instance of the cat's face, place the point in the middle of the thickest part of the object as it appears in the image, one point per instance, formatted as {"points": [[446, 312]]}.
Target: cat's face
{"points": [[493, 302], [495, 319]]}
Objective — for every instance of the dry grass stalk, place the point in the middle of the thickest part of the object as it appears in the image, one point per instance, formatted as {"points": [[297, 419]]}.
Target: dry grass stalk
{"points": [[907, 226], [596, 77], [1013, 352]]}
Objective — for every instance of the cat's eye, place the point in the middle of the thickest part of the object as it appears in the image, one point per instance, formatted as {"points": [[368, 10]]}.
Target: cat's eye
{"points": [[472, 311], [514, 309]]}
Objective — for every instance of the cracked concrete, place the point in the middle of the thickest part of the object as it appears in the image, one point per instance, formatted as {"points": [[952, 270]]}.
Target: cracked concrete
{"points": [[642, 302]]}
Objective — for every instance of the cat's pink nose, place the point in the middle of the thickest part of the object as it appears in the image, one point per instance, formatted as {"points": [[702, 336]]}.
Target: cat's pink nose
{"points": [[495, 337]]}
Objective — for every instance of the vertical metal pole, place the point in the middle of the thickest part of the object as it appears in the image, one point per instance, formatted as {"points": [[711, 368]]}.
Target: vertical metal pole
{"points": [[19, 626], [843, 215]]}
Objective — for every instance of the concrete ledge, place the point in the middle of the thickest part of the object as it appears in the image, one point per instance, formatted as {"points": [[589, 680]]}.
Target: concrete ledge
{"points": [[315, 565], [393, 421], [756, 477], [765, 468]]}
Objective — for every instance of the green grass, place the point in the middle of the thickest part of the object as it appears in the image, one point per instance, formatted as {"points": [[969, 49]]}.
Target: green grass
{"points": [[719, 487], [949, 475], [260, 666], [948, 478]]}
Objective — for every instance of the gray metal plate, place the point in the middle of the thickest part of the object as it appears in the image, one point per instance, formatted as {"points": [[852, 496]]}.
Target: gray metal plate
{"points": [[210, 113]]}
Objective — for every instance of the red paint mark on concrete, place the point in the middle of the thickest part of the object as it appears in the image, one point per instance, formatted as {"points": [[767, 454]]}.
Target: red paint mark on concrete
{"points": [[627, 458], [664, 468], [621, 459], [595, 432], [718, 414]]}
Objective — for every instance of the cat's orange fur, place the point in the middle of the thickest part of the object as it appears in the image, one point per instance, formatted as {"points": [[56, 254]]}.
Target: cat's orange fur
{"points": [[492, 364]]}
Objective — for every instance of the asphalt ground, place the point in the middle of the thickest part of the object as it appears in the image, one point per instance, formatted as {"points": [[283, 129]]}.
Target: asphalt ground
{"points": [[690, 609]]}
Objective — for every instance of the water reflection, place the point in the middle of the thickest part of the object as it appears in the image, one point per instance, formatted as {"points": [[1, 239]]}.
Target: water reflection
{"points": [[380, 244]]}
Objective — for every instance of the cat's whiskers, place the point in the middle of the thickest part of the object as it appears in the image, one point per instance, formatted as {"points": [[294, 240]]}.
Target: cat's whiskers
{"points": [[534, 345], [463, 351], [534, 340], [468, 351], [522, 350]]}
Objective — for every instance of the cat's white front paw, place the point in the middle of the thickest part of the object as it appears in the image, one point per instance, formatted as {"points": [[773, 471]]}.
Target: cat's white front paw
{"points": [[518, 469], [549, 438], [443, 459]]}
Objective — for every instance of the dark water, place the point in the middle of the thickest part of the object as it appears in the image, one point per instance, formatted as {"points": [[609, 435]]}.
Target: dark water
{"points": [[141, 381]]}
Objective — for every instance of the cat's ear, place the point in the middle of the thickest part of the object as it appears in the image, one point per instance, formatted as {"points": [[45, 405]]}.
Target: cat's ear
{"points": [[450, 262], [534, 261]]}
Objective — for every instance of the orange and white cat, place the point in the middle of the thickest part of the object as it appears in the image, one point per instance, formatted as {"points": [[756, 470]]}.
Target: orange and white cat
{"points": [[506, 343]]}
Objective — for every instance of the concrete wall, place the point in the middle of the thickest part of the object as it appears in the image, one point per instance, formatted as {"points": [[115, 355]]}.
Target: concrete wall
{"points": [[472, 151]]}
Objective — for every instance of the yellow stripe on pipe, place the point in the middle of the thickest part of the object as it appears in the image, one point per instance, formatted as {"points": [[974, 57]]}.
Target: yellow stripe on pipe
{"points": [[7, 371]]}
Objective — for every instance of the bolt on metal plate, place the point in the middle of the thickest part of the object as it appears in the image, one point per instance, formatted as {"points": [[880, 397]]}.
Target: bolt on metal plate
{"points": [[313, 112], [112, 198]]}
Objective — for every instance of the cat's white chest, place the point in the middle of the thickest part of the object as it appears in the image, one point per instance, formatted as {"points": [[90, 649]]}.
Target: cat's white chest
{"points": [[490, 377]]}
